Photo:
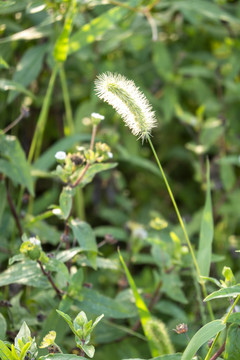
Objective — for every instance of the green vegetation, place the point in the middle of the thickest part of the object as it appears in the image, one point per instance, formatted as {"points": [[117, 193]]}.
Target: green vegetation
{"points": [[119, 223]]}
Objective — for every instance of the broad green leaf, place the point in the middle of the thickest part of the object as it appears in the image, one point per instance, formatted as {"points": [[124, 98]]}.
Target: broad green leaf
{"points": [[27, 273], [144, 314], [61, 357], [5, 353], [67, 318], [117, 232], [234, 318], [7, 85], [86, 239], [12, 6], [232, 349], [206, 232], [89, 350], [225, 292], [98, 26], [201, 337], [93, 170], [34, 32], [14, 163], [65, 201], [162, 59], [75, 284], [62, 45], [3, 326], [28, 67], [228, 176], [23, 335], [176, 356], [67, 255], [97, 304]]}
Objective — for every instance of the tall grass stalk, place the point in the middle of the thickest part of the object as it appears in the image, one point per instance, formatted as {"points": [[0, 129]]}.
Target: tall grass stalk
{"points": [[182, 226], [37, 140]]}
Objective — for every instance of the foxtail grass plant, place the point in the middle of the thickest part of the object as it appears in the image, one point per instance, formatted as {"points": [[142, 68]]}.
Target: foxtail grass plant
{"points": [[131, 104]]}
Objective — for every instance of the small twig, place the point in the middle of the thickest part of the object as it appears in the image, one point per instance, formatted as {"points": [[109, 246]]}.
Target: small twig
{"points": [[50, 279], [79, 179], [14, 212], [24, 114], [219, 352]]}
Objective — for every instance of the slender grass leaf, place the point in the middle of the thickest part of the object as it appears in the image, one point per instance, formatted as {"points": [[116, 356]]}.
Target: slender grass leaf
{"points": [[97, 27], [3, 197], [225, 292], [148, 324], [14, 163], [62, 45], [232, 349], [206, 232], [201, 337], [7, 85], [28, 68]]}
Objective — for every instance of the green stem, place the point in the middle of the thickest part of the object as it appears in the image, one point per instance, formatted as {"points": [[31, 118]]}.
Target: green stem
{"points": [[69, 125], [69, 129], [182, 226], [218, 334], [39, 131]]}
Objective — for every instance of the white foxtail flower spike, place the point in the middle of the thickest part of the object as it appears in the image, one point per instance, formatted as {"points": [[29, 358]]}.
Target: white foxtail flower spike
{"points": [[126, 98]]}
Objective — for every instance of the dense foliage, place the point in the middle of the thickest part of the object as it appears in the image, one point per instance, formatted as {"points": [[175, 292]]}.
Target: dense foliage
{"points": [[99, 258]]}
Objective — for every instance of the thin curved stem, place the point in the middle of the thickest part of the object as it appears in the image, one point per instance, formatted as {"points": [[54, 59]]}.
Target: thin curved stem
{"points": [[182, 226]]}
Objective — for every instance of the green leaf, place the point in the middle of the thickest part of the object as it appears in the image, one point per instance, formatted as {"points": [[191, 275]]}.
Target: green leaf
{"points": [[201, 337], [28, 67], [3, 326], [65, 201], [89, 350], [27, 273], [75, 284], [5, 353], [234, 318], [232, 349], [62, 45], [93, 170], [98, 26], [225, 292], [61, 357], [97, 304], [143, 311], [67, 318], [176, 356], [7, 85], [67, 255], [206, 232], [86, 239], [23, 335], [14, 163]]}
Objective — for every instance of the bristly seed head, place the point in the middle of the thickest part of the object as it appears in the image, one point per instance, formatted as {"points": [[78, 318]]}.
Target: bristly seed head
{"points": [[126, 98]]}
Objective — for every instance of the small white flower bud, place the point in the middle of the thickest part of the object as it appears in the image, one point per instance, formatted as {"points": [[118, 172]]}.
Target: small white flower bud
{"points": [[60, 155]]}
